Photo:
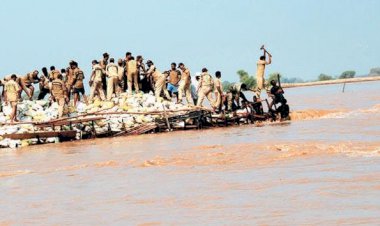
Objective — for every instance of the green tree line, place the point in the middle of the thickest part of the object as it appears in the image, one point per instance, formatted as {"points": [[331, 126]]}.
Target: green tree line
{"points": [[251, 82]]}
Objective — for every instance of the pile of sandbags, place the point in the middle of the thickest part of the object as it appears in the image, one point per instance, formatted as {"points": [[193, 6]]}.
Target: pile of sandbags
{"points": [[131, 111]]}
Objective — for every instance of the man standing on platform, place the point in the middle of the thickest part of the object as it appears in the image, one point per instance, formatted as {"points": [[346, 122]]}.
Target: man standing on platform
{"points": [[261, 64], [11, 88]]}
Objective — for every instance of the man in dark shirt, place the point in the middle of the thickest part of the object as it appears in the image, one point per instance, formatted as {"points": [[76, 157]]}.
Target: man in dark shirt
{"points": [[278, 97], [276, 92], [257, 106]]}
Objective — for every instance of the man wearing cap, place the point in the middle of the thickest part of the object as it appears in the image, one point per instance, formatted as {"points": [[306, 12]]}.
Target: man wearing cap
{"points": [[159, 80], [132, 74], [11, 88], [96, 81], [58, 92], [173, 81], [113, 80], [185, 85], [26, 82], [205, 88]]}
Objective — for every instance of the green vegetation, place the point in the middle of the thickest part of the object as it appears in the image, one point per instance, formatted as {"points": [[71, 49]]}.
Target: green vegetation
{"points": [[245, 78], [347, 74], [324, 77], [375, 71]]}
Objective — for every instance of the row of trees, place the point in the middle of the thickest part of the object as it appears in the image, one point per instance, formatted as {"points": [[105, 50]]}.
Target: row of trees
{"points": [[251, 82], [345, 74]]}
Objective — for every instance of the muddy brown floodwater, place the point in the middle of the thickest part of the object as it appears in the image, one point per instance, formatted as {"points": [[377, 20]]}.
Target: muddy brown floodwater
{"points": [[322, 168]]}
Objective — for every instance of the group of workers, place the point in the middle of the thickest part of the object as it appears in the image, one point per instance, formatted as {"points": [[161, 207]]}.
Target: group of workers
{"points": [[109, 79]]}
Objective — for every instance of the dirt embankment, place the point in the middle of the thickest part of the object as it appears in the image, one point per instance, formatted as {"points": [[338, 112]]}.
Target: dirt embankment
{"points": [[330, 82]]}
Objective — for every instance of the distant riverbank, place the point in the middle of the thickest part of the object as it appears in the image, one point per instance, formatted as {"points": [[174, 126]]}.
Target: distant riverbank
{"points": [[330, 82]]}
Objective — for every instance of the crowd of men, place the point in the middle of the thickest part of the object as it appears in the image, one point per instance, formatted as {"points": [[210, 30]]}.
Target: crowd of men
{"points": [[109, 79]]}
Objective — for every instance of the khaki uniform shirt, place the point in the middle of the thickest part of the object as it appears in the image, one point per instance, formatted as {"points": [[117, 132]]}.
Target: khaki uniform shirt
{"points": [[120, 72], [11, 88], [112, 70], [206, 80], [186, 78], [98, 72], [218, 83], [156, 74], [57, 88], [131, 66], [260, 68]]}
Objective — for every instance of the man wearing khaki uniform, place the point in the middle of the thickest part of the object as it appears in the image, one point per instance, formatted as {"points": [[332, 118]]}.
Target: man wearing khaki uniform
{"points": [[113, 80], [11, 88], [185, 85], [205, 87], [96, 81], [159, 81], [120, 75], [218, 90], [132, 74], [58, 92], [260, 72]]}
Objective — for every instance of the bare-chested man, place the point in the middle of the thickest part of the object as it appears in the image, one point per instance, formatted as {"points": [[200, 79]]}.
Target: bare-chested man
{"points": [[26, 82], [173, 80]]}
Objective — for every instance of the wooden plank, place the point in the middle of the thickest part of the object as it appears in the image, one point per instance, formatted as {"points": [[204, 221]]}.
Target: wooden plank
{"points": [[21, 136], [68, 122]]}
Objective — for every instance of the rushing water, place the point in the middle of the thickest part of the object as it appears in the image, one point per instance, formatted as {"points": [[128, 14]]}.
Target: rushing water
{"points": [[322, 168]]}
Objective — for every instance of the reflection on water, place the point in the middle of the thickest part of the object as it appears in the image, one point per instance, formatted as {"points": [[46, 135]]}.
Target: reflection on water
{"points": [[322, 168]]}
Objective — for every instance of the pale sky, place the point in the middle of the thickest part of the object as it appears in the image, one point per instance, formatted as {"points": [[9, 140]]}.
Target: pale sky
{"points": [[305, 37]]}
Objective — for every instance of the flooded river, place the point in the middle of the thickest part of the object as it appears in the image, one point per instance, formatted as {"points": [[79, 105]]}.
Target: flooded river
{"points": [[322, 168]]}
